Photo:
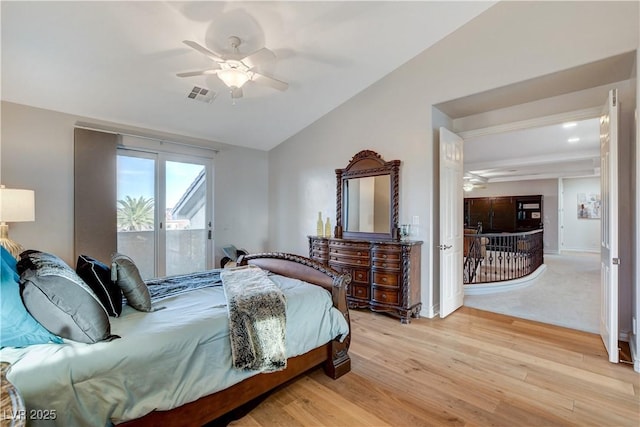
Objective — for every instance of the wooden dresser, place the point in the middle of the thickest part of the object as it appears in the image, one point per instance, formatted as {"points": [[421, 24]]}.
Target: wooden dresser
{"points": [[385, 275]]}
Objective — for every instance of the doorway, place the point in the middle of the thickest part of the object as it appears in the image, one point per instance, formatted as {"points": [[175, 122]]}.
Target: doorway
{"points": [[560, 162]]}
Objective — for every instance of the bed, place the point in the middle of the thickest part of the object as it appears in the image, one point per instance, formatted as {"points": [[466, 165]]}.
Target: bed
{"points": [[172, 366]]}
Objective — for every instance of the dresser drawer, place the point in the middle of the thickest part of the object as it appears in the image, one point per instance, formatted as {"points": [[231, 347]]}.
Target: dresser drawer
{"points": [[319, 246], [359, 291], [349, 245], [319, 251], [385, 279], [385, 296], [388, 265], [378, 254], [360, 275], [352, 252], [346, 260]]}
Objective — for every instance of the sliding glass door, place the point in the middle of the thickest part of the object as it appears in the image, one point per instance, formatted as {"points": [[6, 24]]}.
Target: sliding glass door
{"points": [[186, 228], [164, 212]]}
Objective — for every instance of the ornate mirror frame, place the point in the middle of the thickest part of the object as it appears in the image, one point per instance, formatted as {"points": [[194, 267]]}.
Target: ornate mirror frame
{"points": [[364, 164]]}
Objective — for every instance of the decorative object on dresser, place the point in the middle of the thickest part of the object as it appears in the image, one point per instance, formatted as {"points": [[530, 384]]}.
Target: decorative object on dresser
{"points": [[385, 270]]}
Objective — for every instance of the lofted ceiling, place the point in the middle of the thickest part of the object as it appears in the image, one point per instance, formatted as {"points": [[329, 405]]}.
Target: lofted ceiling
{"points": [[538, 146], [117, 61]]}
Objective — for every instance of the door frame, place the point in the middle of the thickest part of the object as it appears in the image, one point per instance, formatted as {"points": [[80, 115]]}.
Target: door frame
{"points": [[583, 114]]}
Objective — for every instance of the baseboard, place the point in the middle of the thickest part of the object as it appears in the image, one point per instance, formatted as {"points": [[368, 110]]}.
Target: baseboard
{"points": [[431, 311], [590, 251]]}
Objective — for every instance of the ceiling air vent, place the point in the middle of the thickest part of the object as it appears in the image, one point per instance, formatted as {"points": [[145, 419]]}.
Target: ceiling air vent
{"points": [[201, 94]]}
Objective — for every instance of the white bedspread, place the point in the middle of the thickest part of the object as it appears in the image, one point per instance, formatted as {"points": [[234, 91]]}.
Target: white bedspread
{"points": [[164, 359]]}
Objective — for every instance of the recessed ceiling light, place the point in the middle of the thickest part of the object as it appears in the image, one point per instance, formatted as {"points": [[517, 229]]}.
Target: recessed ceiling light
{"points": [[573, 140], [569, 125]]}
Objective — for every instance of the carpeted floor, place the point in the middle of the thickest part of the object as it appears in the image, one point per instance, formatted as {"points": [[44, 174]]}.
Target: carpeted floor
{"points": [[566, 294]]}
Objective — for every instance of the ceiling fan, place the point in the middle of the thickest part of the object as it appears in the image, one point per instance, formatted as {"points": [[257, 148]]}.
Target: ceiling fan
{"points": [[472, 181], [234, 69]]}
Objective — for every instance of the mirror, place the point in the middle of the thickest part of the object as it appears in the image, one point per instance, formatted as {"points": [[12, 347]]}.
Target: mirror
{"points": [[367, 204], [367, 198]]}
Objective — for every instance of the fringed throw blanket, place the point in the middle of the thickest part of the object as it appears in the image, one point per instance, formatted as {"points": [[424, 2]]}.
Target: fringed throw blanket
{"points": [[257, 320], [169, 286]]}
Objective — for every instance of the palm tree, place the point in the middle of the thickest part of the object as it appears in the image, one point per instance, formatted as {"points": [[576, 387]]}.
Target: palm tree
{"points": [[135, 214]]}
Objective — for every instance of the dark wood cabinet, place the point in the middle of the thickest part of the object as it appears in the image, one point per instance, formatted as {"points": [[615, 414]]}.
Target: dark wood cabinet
{"points": [[529, 213], [504, 214], [385, 275]]}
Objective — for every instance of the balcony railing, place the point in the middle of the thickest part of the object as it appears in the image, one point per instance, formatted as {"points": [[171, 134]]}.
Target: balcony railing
{"points": [[185, 251], [496, 257]]}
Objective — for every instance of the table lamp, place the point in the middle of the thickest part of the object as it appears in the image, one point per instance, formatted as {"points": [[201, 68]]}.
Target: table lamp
{"points": [[15, 206]]}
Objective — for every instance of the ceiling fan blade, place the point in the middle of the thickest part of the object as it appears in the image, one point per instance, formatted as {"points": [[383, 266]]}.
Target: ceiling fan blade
{"points": [[269, 81], [258, 57], [236, 92], [203, 50], [198, 73]]}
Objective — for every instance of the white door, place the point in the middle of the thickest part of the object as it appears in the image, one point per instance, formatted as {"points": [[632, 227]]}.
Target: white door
{"points": [[609, 225], [451, 234]]}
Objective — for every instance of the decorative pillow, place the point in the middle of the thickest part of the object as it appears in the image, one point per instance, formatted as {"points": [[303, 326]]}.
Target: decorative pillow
{"points": [[125, 273], [98, 276], [58, 298], [17, 327]]}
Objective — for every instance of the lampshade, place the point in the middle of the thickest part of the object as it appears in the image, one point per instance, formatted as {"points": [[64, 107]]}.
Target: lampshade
{"points": [[17, 205], [233, 77]]}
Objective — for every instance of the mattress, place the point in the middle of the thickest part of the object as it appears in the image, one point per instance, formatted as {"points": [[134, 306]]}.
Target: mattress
{"points": [[165, 358]]}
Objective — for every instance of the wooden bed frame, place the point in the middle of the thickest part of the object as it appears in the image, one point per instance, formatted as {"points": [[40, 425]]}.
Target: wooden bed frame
{"points": [[334, 355]]}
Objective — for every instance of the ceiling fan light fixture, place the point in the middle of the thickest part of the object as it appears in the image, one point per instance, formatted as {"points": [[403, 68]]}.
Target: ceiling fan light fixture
{"points": [[467, 186], [233, 77]]}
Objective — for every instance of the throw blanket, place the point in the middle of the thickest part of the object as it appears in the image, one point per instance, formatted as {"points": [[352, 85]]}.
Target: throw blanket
{"points": [[257, 320], [169, 286]]}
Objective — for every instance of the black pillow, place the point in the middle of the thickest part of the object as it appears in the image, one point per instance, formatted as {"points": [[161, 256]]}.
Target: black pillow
{"points": [[98, 276]]}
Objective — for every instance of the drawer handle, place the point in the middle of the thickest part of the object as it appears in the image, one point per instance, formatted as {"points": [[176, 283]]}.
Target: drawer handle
{"points": [[384, 296], [384, 264], [384, 279], [384, 256], [359, 261], [359, 275], [359, 253], [359, 291]]}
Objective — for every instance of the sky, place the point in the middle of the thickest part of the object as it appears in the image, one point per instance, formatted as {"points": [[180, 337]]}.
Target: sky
{"points": [[136, 178]]}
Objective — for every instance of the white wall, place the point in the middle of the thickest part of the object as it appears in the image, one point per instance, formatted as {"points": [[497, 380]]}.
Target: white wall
{"points": [[511, 42], [579, 234], [37, 153], [548, 188]]}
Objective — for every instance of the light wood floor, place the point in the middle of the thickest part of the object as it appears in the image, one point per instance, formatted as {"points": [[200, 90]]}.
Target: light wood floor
{"points": [[473, 368]]}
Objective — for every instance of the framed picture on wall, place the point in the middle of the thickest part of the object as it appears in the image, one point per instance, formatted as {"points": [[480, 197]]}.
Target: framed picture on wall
{"points": [[588, 206]]}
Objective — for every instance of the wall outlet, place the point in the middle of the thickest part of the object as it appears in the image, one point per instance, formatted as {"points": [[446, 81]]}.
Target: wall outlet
{"points": [[415, 220]]}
